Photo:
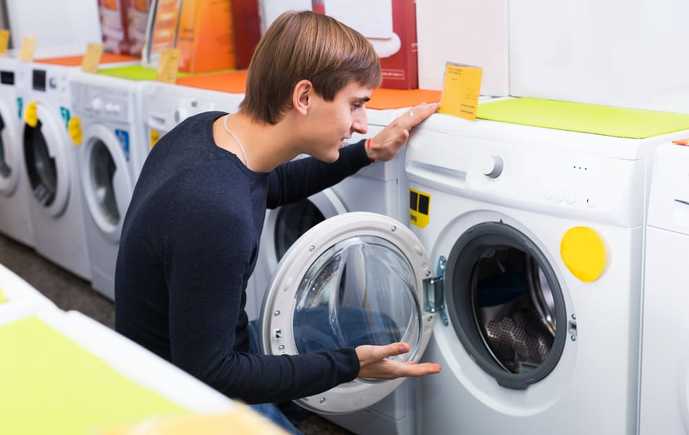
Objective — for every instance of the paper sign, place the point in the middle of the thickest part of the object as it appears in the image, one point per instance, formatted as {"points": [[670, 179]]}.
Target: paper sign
{"points": [[169, 64], [26, 51], [461, 89], [91, 59], [4, 40]]}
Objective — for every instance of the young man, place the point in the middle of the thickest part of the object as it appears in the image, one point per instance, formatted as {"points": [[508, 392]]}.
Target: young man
{"points": [[190, 238]]}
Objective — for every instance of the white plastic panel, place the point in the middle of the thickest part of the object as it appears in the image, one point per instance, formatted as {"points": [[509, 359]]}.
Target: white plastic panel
{"points": [[464, 31], [669, 200], [626, 53]]}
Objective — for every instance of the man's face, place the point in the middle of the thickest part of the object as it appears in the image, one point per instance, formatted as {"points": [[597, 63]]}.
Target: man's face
{"points": [[330, 123]]}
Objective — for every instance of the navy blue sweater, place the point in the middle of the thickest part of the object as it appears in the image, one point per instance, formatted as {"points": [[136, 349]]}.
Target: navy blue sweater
{"points": [[189, 244]]}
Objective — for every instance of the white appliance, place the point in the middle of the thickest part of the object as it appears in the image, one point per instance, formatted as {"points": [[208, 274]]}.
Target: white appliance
{"points": [[166, 105], [19, 295], [617, 52], [536, 237], [111, 153], [464, 32], [69, 24], [379, 188], [14, 188], [521, 277], [664, 370], [50, 161]]}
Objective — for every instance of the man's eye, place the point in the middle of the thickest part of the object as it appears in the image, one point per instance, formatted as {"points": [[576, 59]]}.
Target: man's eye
{"points": [[356, 106]]}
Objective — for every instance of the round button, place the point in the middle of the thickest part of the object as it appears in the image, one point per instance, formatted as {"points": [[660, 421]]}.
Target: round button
{"points": [[491, 166], [96, 104]]}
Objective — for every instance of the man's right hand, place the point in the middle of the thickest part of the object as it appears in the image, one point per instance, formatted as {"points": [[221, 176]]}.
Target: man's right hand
{"points": [[374, 365]]}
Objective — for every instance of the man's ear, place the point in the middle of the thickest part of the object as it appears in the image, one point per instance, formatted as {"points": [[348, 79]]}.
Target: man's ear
{"points": [[302, 96]]}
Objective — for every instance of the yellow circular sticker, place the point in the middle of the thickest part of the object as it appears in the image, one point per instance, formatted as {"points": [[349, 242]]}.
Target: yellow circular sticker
{"points": [[583, 251]]}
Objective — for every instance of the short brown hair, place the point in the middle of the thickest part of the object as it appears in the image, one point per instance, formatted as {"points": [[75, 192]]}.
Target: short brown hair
{"points": [[306, 46]]}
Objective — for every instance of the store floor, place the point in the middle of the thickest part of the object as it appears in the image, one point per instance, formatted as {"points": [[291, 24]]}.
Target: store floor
{"points": [[72, 293]]}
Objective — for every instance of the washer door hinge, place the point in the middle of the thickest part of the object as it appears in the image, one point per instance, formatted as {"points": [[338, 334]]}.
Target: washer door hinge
{"points": [[434, 291]]}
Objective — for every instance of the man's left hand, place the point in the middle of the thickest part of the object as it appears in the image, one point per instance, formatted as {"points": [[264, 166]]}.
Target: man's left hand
{"points": [[385, 145]]}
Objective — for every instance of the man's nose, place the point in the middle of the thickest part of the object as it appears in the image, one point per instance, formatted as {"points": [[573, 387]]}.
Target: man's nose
{"points": [[360, 123]]}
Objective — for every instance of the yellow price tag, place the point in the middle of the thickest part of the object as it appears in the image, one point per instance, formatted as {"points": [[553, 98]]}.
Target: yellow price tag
{"points": [[27, 49], [91, 59], [461, 89], [4, 40], [169, 64]]}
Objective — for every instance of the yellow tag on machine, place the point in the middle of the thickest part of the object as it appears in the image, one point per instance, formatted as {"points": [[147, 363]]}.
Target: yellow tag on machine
{"points": [[461, 89], [169, 65], [153, 137], [4, 40], [419, 208], [91, 59], [74, 130], [27, 49], [31, 114]]}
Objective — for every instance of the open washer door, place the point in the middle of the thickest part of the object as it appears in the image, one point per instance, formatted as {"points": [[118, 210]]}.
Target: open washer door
{"points": [[354, 279], [106, 181]]}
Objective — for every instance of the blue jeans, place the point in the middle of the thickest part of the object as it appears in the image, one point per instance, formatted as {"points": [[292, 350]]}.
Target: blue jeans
{"points": [[268, 410]]}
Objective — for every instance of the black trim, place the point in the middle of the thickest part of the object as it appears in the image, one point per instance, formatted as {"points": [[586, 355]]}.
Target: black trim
{"points": [[460, 294]]}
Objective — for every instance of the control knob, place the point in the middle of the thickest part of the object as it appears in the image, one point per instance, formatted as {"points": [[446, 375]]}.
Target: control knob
{"points": [[492, 166]]}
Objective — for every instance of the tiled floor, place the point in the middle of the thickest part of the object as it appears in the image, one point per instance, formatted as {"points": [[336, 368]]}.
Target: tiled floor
{"points": [[72, 293]]}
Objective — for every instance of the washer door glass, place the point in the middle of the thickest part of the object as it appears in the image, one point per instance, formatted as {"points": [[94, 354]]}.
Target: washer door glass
{"points": [[102, 170], [354, 279], [40, 165], [359, 291], [292, 222], [506, 304]]}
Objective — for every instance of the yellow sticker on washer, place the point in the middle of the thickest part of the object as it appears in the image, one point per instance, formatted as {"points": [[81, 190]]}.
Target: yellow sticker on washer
{"points": [[3, 298], [31, 114], [419, 208], [74, 130], [583, 252], [153, 137]]}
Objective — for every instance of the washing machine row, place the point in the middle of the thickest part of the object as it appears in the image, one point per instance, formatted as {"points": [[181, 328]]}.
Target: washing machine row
{"points": [[500, 216]]}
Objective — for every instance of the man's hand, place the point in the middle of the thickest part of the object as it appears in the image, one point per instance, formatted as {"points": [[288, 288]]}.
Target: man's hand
{"points": [[385, 145], [373, 365]]}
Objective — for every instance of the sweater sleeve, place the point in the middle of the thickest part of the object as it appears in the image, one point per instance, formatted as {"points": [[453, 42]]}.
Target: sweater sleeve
{"points": [[205, 263], [298, 179]]}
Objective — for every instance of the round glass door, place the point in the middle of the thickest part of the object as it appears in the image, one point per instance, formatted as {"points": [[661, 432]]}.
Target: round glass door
{"points": [[506, 304], [105, 180], [40, 165], [352, 280]]}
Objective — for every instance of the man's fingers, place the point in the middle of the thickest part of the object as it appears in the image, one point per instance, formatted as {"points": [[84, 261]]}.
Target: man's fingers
{"points": [[381, 352], [416, 370], [417, 114]]}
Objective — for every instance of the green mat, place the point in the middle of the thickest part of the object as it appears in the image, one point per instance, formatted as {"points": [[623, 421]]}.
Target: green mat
{"points": [[585, 118], [50, 385], [134, 73]]}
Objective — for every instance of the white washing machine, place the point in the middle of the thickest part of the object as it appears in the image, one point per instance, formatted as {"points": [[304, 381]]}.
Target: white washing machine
{"points": [[111, 152], [378, 188], [521, 277], [50, 161], [14, 190], [665, 359], [166, 105], [535, 236]]}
